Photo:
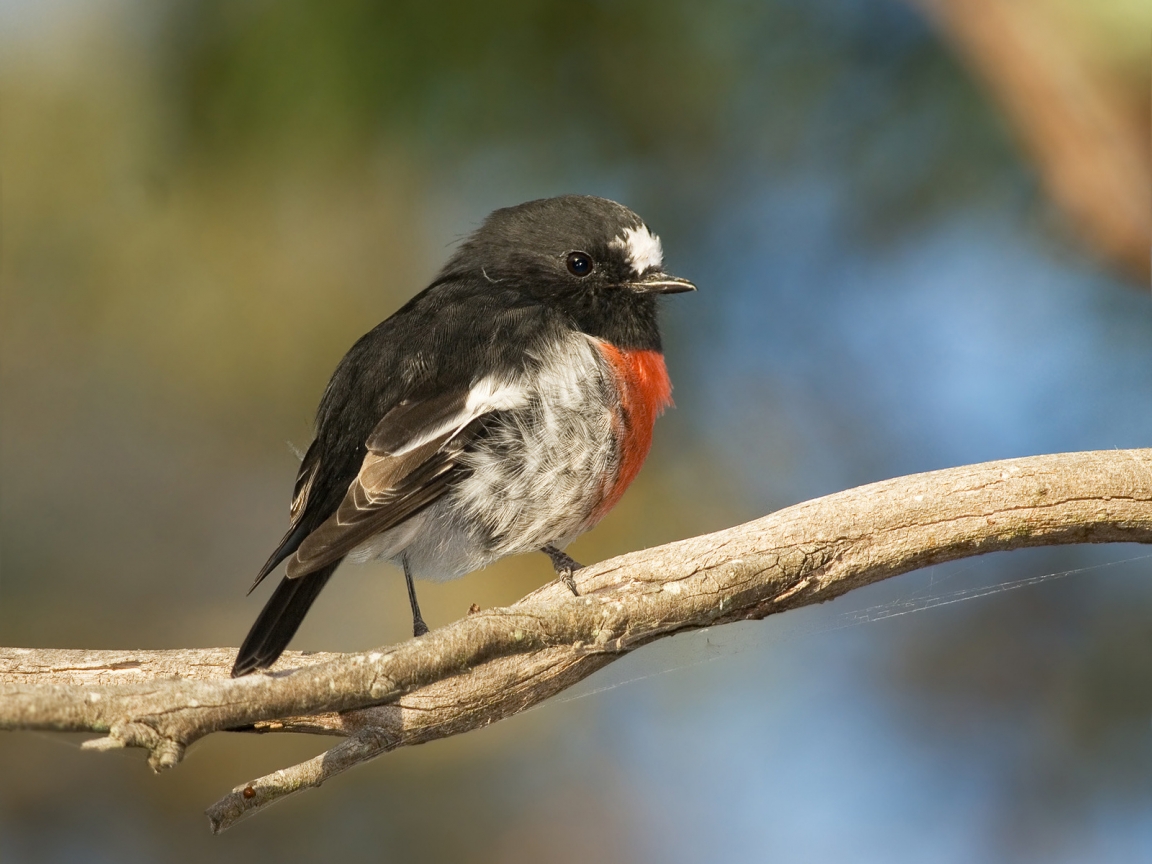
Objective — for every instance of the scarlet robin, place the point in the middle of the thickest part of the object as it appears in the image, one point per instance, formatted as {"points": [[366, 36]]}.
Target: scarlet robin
{"points": [[503, 409]]}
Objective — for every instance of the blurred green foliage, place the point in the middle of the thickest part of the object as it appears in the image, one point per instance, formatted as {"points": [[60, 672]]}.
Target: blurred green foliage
{"points": [[458, 74], [674, 85]]}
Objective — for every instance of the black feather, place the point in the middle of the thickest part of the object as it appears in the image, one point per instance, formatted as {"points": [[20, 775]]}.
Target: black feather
{"points": [[279, 620], [288, 544], [302, 521]]}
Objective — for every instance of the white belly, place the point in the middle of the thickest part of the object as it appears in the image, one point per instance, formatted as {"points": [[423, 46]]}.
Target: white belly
{"points": [[535, 478]]}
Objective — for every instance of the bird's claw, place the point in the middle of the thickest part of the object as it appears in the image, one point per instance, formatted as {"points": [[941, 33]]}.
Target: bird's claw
{"points": [[565, 566]]}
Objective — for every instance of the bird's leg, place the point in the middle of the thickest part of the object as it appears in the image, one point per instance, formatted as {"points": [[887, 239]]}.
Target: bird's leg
{"points": [[419, 628], [564, 565]]}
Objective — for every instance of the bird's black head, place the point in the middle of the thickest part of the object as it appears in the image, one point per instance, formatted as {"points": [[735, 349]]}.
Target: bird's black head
{"points": [[589, 257]]}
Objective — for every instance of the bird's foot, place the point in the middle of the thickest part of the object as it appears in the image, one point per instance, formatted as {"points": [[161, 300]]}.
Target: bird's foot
{"points": [[419, 628], [564, 565]]}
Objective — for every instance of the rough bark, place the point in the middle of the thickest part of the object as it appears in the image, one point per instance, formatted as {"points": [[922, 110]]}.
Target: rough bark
{"points": [[498, 662]]}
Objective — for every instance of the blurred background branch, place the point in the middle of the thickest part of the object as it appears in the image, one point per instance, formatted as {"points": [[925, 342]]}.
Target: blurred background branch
{"points": [[1079, 106]]}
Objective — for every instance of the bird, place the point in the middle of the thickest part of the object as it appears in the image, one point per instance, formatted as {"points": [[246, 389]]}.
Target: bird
{"points": [[504, 409]]}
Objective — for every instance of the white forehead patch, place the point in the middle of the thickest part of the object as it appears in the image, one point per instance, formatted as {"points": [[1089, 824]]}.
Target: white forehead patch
{"points": [[641, 247]]}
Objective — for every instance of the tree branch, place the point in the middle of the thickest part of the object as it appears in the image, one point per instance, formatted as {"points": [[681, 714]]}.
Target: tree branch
{"points": [[498, 662]]}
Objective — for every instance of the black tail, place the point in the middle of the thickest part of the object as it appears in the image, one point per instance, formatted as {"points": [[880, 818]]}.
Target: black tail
{"points": [[279, 620]]}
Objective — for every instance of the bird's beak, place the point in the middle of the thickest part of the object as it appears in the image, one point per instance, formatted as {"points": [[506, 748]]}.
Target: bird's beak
{"points": [[661, 283]]}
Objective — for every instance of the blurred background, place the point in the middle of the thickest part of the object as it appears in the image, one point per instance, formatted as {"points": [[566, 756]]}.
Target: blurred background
{"points": [[920, 232]]}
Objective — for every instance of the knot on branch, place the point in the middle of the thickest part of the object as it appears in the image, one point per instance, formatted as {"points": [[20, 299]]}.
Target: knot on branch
{"points": [[163, 752]]}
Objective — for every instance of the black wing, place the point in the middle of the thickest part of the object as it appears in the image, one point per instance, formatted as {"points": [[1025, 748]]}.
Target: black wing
{"points": [[411, 459], [390, 429], [297, 527]]}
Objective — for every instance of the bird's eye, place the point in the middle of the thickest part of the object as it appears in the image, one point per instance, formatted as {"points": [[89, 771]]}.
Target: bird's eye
{"points": [[579, 263]]}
